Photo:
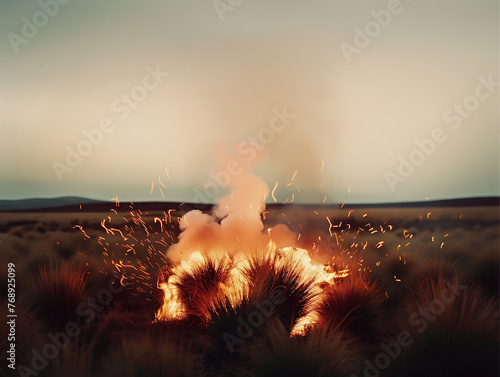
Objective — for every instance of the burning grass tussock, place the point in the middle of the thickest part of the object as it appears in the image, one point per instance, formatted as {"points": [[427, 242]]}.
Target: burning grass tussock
{"points": [[209, 288], [201, 284], [282, 277]]}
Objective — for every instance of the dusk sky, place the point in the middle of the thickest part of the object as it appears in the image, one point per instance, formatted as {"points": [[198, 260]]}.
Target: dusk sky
{"points": [[377, 101]]}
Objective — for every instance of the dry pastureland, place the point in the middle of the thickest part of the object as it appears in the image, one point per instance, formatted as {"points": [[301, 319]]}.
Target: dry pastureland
{"points": [[98, 295]]}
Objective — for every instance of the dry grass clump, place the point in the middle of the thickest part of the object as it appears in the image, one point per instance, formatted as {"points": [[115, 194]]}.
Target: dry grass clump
{"points": [[279, 278], [200, 285], [356, 305], [454, 328], [152, 357], [57, 289], [319, 354]]}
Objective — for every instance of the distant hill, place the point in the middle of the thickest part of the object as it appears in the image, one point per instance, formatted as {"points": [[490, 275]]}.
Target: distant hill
{"points": [[44, 203], [461, 202], [74, 203]]}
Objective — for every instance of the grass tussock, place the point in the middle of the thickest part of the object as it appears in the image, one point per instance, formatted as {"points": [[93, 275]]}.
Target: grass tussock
{"points": [[30, 332], [485, 270], [57, 290], [355, 305], [200, 284], [321, 353], [429, 270], [73, 360], [152, 357], [454, 328], [279, 278]]}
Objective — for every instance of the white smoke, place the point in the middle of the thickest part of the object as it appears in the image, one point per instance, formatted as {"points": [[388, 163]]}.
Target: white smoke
{"points": [[235, 226]]}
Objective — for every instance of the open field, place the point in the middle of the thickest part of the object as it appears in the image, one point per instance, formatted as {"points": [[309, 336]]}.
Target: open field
{"points": [[420, 299]]}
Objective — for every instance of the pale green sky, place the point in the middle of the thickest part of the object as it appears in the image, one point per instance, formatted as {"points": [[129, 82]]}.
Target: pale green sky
{"points": [[355, 114]]}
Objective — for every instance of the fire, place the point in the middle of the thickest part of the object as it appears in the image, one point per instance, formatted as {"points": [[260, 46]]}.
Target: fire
{"points": [[234, 288]]}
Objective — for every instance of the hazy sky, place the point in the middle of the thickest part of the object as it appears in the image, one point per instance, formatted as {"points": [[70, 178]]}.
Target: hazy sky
{"points": [[340, 91]]}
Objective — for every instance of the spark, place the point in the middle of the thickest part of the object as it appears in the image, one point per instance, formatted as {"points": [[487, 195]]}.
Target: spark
{"points": [[272, 192], [322, 166], [161, 183], [121, 234], [294, 174], [108, 231], [121, 280], [330, 228], [170, 214], [81, 228], [161, 223], [152, 186]]}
